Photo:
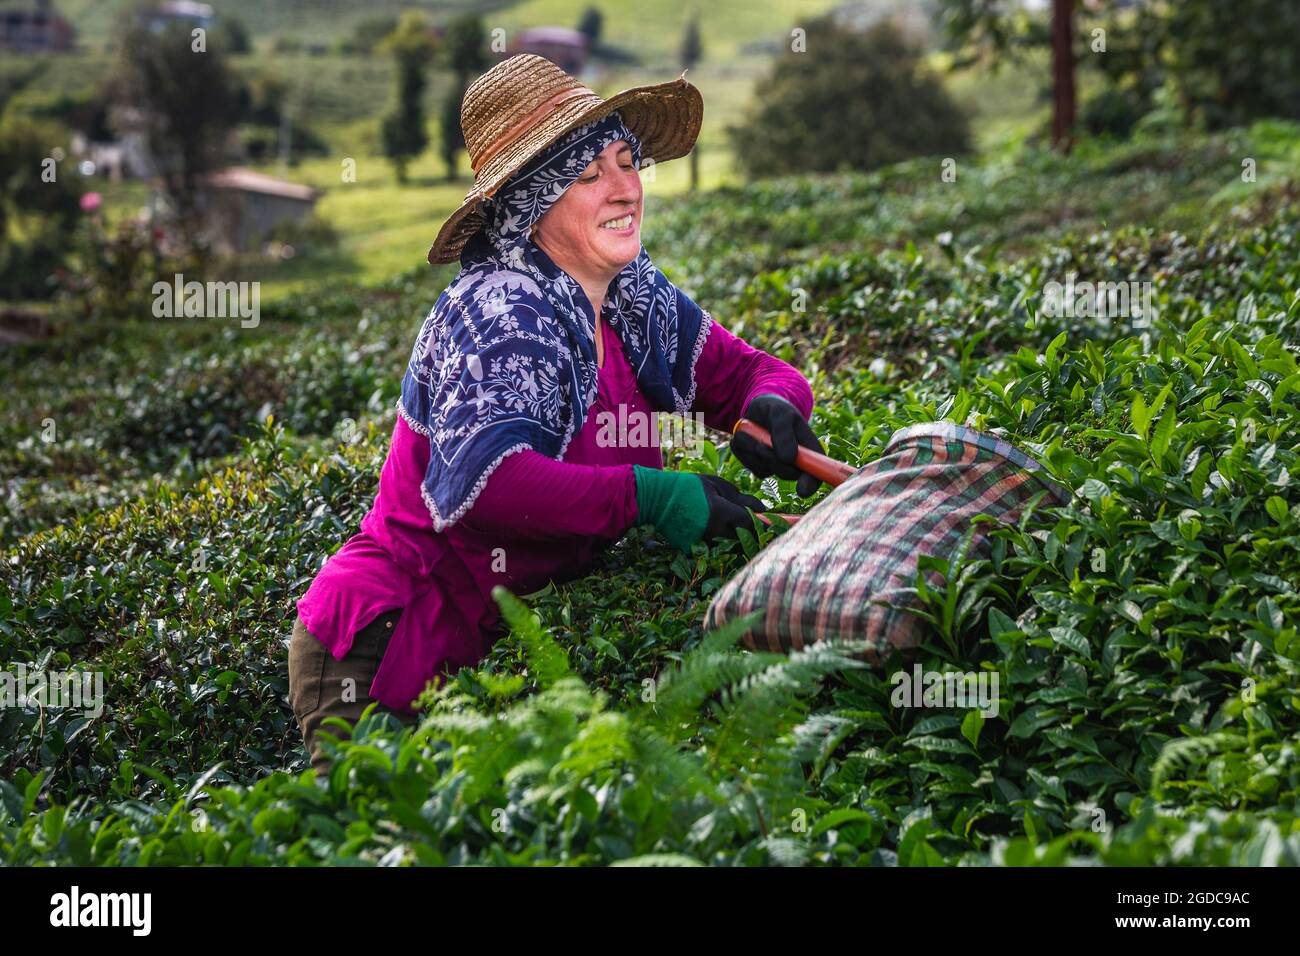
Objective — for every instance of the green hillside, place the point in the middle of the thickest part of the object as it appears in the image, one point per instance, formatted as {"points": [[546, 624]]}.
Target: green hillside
{"points": [[313, 21], [650, 30], [384, 227], [201, 473]]}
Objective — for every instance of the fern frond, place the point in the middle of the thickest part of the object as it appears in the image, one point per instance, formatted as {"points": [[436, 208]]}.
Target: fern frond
{"points": [[785, 851], [711, 665], [545, 657], [814, 740], [659, 859], [1186, 752], [671, 770], [751, 737], [683, 691]]}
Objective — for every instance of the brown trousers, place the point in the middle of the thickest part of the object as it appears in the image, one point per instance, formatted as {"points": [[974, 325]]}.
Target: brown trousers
{"points": [[317, 688]]}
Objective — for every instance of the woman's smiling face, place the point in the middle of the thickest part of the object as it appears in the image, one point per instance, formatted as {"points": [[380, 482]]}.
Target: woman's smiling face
{"points": [[577, 229]]}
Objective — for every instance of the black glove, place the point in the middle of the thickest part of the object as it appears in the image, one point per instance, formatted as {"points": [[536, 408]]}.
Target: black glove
{"points": [[727, 508], [789, 430]]}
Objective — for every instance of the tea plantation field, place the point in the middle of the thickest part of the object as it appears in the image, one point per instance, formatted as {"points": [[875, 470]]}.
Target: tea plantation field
{"points": [[172, 487]]}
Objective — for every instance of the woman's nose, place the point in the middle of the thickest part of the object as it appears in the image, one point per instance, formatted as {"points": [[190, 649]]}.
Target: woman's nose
{"points": [[626, 187]]}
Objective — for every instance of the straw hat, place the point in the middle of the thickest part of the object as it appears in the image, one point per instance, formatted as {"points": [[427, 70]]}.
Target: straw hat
{"points": [[515, 110]]}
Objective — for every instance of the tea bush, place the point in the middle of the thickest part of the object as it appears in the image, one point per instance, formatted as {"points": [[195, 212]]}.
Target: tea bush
{"points": [[1143, 637]]}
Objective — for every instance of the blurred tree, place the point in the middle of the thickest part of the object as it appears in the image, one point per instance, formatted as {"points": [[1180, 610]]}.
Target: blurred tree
{"points": [[403, 133], [590, 25], [849, 100], [465, 47], [261, 98], [691, 53], [39, 195], [987, 31], [1064, 101], [465, 52], [234, 35], [1228, 63], [368, 34], [16, 77], [453, 138], [1234, 62], [85, 110], [1131, 63], [183, 102]]}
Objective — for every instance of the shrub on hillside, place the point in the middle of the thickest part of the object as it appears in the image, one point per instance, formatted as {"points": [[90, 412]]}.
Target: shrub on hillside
{"points": [[848, 100], [1229, 60], [1113, 112], [314, 234], [111, 271], [37, 214]]}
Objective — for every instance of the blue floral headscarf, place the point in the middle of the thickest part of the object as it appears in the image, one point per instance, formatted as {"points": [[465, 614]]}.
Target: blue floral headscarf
{"points": [[506, 360]]}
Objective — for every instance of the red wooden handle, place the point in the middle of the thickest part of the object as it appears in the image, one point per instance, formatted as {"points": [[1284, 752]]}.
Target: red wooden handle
{"points": [[833, 472]]}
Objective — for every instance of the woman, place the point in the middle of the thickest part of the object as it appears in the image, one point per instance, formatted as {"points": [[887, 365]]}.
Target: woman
{"points": [[495, 474]]}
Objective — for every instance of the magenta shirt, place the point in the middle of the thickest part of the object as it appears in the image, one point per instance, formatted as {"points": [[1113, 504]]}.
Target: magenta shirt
{"points": [[537, 519]]}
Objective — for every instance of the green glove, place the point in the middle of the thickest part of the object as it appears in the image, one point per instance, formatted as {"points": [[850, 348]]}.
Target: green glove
{"points": [[686, 508], [674, 502]]}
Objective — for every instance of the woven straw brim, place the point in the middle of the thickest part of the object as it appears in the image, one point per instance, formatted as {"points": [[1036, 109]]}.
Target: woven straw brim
{"points": [[666, 117]]}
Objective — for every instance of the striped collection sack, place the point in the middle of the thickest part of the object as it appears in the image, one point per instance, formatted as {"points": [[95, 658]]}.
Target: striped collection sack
{"points": [[836, 572]]}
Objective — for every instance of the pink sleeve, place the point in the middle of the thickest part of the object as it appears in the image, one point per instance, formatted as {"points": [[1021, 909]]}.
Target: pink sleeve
{"points": [[730, 372], [533, 496]]}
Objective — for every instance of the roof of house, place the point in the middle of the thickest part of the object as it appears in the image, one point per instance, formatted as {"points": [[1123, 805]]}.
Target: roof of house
{"points": [[246, 180], [552, 35], [184, 8]]}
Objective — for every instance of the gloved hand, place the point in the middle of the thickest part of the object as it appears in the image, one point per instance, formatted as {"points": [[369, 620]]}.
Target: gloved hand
{"points": [[685, 507], [789, 430], [729, 508]]}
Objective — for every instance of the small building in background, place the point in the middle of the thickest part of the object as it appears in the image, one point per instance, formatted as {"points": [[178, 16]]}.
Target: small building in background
{"points": [[566, 48], [107, 159], [241, 207], [36, 29], [245, 206], [186, 12]]}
